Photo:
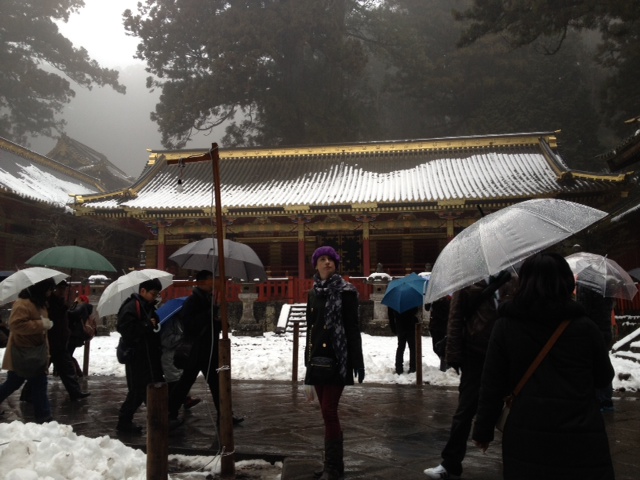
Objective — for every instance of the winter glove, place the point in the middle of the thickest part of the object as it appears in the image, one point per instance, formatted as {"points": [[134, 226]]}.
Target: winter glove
{"points": [[359, 372], [46, 323]]}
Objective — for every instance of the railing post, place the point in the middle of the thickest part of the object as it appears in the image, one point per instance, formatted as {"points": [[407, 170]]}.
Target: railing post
{"points": [[419, 353], [85, 358], [296, 341], [157, 431]]}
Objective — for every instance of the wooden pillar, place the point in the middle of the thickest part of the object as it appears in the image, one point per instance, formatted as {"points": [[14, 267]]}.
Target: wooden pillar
{"points": [[157, 431], [366, 245], [161, 260], [301, 256]]}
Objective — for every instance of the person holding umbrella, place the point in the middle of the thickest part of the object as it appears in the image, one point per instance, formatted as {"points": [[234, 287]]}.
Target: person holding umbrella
{"points": [[27, 354], [333, 353], [138, 325], [403, 325]]}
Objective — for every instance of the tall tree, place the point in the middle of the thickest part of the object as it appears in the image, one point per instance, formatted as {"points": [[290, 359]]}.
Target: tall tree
{"points": [[547, 23], [279, 71], [38, 66], [487, 87]]}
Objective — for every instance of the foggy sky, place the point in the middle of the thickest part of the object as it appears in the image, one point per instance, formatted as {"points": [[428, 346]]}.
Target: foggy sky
{"points": [[116, 125]]}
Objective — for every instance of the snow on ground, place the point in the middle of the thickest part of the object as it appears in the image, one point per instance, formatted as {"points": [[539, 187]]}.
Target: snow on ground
{"points": [[52, 451]]}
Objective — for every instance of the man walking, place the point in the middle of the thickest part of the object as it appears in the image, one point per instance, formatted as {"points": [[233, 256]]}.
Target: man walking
{"points": [[201, 323], [473, 312]]}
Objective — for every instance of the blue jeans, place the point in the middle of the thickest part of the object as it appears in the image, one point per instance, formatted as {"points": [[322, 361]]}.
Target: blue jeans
{"points": [[39, 397]]}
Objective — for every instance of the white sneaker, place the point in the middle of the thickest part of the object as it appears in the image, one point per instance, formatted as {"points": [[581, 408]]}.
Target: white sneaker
{"points": [[440, 473]]}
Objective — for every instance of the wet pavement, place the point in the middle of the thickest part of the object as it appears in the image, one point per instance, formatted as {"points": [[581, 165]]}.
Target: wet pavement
{"points": [[391, 431]]}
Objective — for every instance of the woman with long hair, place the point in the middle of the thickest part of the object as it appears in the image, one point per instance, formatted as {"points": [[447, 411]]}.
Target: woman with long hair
{"points": [[333, 354], [28, 326], [555, 429]]}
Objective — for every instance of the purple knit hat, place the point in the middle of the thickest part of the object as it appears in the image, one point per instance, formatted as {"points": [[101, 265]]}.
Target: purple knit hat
{"points": [[329, 252]]}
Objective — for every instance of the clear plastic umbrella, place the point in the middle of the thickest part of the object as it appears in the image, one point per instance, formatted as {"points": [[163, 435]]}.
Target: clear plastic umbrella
{"points": [[503, 239], [123, 287], [11, 286], [602, 275]]}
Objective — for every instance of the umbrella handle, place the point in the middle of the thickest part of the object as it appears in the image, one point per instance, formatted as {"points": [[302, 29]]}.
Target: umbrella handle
{"points": [[157, 329]]}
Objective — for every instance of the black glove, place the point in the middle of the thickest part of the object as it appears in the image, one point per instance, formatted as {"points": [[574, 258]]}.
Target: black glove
{"points": [[359, 372]]}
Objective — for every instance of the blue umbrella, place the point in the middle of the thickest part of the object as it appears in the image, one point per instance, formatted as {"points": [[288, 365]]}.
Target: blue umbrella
{"points": [[169, 309], [405, 293]]}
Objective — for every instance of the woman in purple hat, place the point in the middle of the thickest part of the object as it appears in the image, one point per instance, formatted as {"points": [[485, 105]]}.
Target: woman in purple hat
{"points": [[333, 354]]}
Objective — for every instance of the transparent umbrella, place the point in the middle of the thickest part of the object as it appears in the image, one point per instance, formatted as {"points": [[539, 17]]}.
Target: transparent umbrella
{"points": [[602, 275], [503, 239], [123, 287]]}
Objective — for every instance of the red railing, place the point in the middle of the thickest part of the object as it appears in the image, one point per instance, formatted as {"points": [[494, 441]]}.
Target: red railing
{"points": [[626, 307], [287, 289]]}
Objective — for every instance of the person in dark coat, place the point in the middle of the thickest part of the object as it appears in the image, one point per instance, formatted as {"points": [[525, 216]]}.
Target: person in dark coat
{"points": [[138, 325], [333, 352], [599, 309], [555, 429], [403, 325], [58, 343], [200, 322], [438, 319], [472, 315]]}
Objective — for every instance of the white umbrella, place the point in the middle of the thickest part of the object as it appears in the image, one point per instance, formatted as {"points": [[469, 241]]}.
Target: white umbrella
{"points": [[241, 262], [11, 286], [602, 275], [117, 292], [504, 238]]}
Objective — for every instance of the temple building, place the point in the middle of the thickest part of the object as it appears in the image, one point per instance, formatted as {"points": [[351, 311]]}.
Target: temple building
{"points": [[394, 203]]}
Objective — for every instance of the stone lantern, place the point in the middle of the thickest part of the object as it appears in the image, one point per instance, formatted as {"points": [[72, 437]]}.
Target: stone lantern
{"points": [[379, 280], [248, 325]]}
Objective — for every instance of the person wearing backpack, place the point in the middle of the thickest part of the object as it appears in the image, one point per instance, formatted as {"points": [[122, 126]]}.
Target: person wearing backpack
{"points": [[138, 324]]}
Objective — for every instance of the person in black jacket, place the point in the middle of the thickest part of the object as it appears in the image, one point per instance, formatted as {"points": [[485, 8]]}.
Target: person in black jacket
{"points": [[58, 343], [333, 353], [403, 325], [201, 323], [138, 325], [472, 315], [555, 429]]}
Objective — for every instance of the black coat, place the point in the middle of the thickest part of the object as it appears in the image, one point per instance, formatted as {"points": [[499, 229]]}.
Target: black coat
{"points": [[319, 342], [555, 429], [137, 331], [200, 324]]}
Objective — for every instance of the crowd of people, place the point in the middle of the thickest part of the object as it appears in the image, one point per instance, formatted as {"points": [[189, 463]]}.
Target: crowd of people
{"points": [[495, 333]]}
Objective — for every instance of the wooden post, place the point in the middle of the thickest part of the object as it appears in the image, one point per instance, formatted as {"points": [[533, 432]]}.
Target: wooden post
{"points": [[157, 431], [419, 353], [85, 358], [227, 461], [296, 341]]}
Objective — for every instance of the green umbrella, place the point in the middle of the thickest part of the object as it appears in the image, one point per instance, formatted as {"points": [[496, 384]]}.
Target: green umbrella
{"points": [[73, 257]]}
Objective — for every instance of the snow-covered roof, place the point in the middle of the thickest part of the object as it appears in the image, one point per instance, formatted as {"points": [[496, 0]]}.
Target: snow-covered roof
{"points": [[33, 176], [383, 175]]}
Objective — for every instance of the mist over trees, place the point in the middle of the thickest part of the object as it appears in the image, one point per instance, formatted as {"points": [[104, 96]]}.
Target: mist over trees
{"points": [[38, 66], [283, 72]]}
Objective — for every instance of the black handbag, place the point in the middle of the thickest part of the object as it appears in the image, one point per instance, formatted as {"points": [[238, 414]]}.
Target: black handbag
{"points": [[323, 368], [30, 361]]}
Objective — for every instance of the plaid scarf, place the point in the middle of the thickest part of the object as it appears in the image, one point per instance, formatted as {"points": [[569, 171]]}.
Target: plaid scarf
{"points": [[332, 289]]}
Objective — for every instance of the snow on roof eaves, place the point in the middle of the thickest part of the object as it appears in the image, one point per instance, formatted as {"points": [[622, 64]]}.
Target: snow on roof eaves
{"points": [[39, 183], [310, 180]]}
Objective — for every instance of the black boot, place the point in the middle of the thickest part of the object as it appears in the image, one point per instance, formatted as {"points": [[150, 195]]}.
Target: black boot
{"points": [[333, 460]]}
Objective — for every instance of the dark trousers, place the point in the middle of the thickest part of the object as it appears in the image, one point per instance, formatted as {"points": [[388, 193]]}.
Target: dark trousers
{"points": [[329, 398], [38, 388], [203, 359], [406, 336], [139, 376], [64, 364], [469, 393]]}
